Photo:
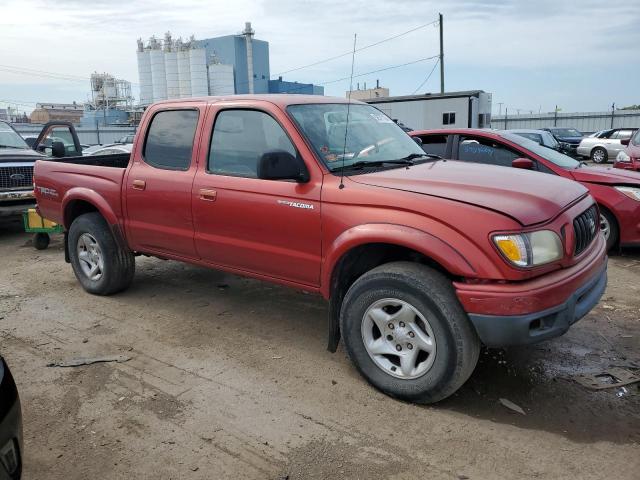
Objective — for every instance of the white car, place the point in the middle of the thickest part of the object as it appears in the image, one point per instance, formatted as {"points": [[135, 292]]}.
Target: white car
{"points": [[112, 149], [605, 145]]}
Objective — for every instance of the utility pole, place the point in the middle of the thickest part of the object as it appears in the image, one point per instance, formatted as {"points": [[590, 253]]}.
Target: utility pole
{"points": [[441, 57], [555, 116], [613, 112], [506, 115]]}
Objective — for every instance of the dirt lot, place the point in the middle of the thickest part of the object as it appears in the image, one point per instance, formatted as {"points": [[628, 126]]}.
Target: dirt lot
{"points": [[229, 378]]}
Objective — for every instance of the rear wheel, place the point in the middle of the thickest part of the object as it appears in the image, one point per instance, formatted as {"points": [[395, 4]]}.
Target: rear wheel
{"points": [[101, 266], [599, 155], [609, 228], [407, 334]]}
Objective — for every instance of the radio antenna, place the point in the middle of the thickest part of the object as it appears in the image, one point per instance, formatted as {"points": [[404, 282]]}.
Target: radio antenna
{"points": [[346, 127]]}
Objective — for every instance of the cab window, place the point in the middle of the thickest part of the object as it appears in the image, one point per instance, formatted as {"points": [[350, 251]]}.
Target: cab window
{"points": [[240, 138]]}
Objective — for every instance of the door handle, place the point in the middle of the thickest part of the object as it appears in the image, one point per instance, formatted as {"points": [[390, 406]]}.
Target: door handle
{"points": [[139, 184], [208, 195]]}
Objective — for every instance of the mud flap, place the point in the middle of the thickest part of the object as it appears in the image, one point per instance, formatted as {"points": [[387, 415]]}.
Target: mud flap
{"points": [[334, 323], [67, 258]]}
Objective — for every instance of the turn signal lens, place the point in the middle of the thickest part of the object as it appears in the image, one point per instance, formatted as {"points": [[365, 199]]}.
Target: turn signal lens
{"points": [[514, 248]]}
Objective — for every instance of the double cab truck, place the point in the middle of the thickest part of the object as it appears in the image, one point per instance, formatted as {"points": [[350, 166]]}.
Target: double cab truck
{"points": [[421, 259]]}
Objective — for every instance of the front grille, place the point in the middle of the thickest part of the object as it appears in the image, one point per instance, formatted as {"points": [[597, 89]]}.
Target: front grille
{"points": [[586, 226], [22, 177]]}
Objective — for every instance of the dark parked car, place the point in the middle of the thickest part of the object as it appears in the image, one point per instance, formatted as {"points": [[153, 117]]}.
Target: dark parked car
{"points": [[616, 191], [17, 158], [544, 138], [569, 136], [10, 426]]}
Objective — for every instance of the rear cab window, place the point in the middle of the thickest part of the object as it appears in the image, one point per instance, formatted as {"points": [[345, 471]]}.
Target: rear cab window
{"points": [[170, 137]]}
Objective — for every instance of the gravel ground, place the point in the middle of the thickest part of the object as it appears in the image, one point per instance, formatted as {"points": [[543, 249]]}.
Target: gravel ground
{"points": [[229, 378]]}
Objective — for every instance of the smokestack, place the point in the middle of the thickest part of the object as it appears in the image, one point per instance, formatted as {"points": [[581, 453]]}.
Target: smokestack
{"points": [[248, 34], [377, 83]]}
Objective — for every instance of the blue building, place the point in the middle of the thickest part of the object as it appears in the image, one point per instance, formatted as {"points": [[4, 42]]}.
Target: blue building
{"points": [[232, 50], [282, 86]]}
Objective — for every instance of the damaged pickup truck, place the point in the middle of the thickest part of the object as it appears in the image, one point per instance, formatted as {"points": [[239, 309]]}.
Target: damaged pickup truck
{"points": [[421, 259]]}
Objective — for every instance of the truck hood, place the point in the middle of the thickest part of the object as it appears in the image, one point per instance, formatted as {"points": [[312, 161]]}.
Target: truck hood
{"points": [[606, 175], [16, 155], [528, 197]]}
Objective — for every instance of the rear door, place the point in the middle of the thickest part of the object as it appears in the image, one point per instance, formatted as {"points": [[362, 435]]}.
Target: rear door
{"points": [[267, 227], [157, 187]]}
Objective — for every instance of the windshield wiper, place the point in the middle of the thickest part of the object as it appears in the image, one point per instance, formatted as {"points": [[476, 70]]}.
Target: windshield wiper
{"points": [[376, 163], [418, 155], [408, 160]]}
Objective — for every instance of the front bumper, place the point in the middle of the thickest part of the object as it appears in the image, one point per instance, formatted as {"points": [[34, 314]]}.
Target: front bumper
{"points": [[15, 202], [519, 313], [503, 331], [10, 426]]}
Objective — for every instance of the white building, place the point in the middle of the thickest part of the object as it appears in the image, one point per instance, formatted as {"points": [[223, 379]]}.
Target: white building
{"points": [[176, 69], [469, 109]]}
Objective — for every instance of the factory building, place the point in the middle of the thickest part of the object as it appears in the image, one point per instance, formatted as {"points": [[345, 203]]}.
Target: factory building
{"points": [[227, 65], [177, 69], [469, 109]]}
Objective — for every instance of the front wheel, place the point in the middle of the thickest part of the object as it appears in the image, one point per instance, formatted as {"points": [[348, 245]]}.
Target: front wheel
{"points": [[599, 155], [407, 334], [101, 266], [609, 228]]}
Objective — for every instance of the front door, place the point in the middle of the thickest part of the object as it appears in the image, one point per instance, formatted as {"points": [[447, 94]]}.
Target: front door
{"points": [[158, 185], [267, 227]]}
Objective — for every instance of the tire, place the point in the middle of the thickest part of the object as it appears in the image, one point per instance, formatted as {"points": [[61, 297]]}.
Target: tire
{"points": [[90, 234], [609, 228], [599, 155], [425, 295], [41, 241]]}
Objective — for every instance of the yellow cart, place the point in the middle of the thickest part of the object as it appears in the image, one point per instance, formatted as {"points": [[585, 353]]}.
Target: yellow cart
{"points": [[40, 227]]}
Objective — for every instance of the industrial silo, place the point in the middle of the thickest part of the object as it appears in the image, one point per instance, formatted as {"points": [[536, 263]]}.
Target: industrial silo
{"points": [[171, 67], [198, 67], [221, 80], [144, 74], [158, 71], [184, 73]]}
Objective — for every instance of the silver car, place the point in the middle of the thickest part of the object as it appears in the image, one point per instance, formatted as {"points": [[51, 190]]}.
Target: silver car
{"points": [[604, 145]]}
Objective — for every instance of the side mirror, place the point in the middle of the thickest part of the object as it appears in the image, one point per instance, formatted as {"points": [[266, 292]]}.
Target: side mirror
{"points": [[625, 142], [57, 149], [418, 140], [281, 165], [523, 163]]}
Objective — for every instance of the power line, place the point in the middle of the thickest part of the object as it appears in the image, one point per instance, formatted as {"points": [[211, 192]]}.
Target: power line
{"points": [[358, 50], [428, 77], [366, 73]]}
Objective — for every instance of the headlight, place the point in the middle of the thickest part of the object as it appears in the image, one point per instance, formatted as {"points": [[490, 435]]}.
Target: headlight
{"points": [[623, 157], [530, 249], [631, 192]]}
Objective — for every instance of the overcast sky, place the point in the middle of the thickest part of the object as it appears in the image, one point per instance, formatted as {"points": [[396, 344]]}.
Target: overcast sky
{"points": [[581, 55]]}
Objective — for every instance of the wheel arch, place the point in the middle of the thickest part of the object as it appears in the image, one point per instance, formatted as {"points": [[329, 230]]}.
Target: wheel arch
{"points": [[365, 247]]}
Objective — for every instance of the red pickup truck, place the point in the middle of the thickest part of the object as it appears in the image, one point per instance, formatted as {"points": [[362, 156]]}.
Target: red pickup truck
{"points": [[421, 259]]}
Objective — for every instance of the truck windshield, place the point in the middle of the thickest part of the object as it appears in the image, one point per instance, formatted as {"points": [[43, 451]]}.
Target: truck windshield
{"points": [[553, 156], [9, 138], [371, 136]]}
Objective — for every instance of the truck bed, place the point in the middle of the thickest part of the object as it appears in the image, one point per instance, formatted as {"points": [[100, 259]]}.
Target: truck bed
{"points": [[99, 176]]}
